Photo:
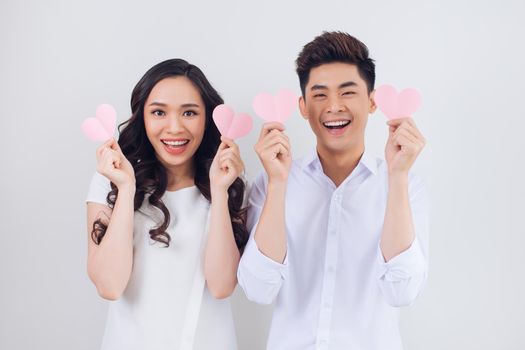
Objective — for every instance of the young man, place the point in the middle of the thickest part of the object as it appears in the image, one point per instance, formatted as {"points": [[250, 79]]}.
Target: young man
{"points": [[339, 237]]}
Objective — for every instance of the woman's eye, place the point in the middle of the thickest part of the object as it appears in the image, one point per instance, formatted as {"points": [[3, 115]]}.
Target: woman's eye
{"points": [[158, 113], [189, 113]]}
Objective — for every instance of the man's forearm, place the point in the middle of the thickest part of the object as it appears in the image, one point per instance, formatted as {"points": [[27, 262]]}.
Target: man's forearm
{"points": [[398, 227], [270, 234]]}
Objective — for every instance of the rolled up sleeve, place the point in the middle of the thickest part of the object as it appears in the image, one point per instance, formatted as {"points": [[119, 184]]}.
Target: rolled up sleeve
{"points": [[402, 278]]}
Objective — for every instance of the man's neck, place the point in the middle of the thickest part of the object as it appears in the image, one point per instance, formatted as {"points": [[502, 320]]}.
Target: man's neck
{"points": [[338, 166]]}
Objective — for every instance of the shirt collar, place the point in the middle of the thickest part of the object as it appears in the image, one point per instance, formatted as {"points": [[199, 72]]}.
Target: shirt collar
{"points": [[312, 161]]}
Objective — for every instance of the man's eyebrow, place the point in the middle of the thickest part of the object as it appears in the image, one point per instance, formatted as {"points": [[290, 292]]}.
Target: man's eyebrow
{"points": [[347, 84], [318, 87], [341, 86]]}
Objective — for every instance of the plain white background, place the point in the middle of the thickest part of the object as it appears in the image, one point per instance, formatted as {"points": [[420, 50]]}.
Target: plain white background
{"points": [[60, 59]]}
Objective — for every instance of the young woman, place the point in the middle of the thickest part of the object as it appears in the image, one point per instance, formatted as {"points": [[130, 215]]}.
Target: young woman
{"points": [[165, 219]]}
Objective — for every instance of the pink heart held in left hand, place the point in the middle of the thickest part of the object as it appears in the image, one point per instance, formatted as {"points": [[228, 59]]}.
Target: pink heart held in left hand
{"points": [[276, 108], [232, 125], [397, 105], [102, 127]]}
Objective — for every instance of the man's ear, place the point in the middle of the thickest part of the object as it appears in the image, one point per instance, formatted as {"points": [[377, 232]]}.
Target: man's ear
{"points": [[372, 108], [302, 107]]}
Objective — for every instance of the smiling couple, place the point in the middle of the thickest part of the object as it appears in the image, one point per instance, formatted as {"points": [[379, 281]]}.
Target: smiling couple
{"points": [[337, 239]]}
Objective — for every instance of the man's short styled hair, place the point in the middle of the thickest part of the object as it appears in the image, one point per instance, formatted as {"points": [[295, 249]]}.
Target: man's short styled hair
{"points": [[332, 47]]}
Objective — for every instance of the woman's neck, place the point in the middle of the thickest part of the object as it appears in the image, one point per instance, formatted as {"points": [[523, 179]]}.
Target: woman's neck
{"points": [[180, 177]]}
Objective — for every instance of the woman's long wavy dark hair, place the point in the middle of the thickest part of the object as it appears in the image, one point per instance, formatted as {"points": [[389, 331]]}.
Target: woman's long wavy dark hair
{"points": [[151, 176]]}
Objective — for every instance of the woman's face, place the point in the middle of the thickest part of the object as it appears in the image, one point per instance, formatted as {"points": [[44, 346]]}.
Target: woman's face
{"points": [[174, 118]]}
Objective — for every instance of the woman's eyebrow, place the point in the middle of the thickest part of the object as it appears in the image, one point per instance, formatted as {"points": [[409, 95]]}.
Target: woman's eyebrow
{"points": [[154, 103], [189, 105]]}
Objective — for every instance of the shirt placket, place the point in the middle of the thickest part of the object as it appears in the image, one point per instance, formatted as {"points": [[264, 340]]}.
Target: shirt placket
{"points": [[330, 265]]}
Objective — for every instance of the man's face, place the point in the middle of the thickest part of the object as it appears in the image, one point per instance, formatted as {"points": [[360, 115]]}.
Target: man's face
{"points": [[337, 104]]}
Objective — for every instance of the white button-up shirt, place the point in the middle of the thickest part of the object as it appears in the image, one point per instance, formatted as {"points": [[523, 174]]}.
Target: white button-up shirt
{"points": [[334, 290]]}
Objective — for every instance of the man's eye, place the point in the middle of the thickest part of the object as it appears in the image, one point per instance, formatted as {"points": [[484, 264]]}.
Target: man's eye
{"points": [[158, 113], [319, 95], [189, 113], [348, 93]]}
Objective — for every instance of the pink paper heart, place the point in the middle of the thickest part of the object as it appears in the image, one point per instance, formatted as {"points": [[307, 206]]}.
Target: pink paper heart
{"points": [[278, 108], [397, 105], [231, 125], [102, 127]]}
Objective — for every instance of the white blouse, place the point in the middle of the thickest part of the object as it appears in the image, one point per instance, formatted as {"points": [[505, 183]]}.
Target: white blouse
{"points": [[166, 305]]}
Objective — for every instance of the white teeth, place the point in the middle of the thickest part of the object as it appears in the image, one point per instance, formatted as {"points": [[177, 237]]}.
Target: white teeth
{"points": [[337, 123], [176, 143]]}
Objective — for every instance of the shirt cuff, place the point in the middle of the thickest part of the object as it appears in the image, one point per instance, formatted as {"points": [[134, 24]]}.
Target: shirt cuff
{"points": [[262, 266], [403, 266]]}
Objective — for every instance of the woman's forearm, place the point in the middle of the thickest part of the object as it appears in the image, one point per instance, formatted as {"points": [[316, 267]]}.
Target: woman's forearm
{"points": [[221, 254], [110, 263]]}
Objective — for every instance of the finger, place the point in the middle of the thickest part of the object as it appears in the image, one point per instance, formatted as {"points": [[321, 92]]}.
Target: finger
{"points": [[412, 127], [223, 145], [405, 135], [275, 138], [105, 155], [229, 142], [274, 150], [117, 148], [391, 130], [231, 155], [226, 156], [235, 168], [229, 149], [280, 133], [408, 125], [103, 146], [405, 143], [107, 162], [280, 150], [408, 131], [221, 148], [277, 148], [272, 137], [267, 127], [103, 151], [113, 144], [396, 122], [114, 158], [228, 165]]}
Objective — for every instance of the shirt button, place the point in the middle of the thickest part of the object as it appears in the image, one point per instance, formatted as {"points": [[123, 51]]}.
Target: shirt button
{"points": [[326, 305], [331, 269]]}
